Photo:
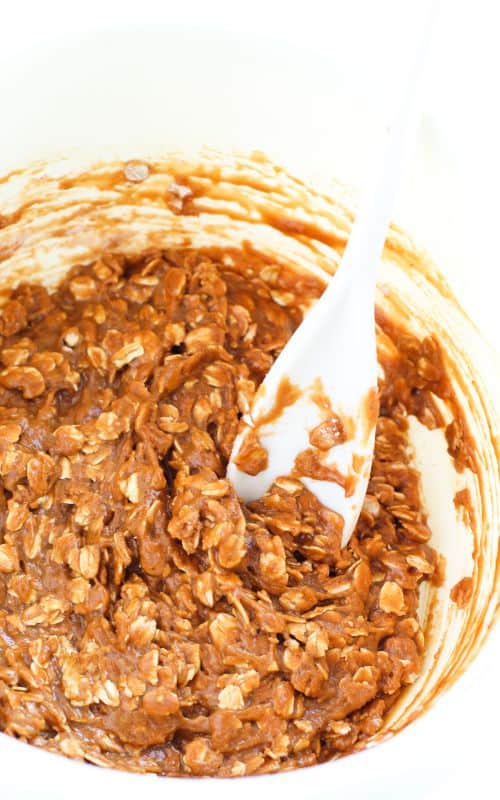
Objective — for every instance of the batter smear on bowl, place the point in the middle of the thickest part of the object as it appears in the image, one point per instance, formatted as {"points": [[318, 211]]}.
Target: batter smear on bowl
{"points": [[148, 619]]}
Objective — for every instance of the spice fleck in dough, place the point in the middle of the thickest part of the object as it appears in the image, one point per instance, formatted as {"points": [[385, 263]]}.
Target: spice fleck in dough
{"points": [[148, 619]]}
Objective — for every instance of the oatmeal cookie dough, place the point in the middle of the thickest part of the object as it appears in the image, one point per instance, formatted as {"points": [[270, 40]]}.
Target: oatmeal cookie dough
{"points": [[148, 619]]}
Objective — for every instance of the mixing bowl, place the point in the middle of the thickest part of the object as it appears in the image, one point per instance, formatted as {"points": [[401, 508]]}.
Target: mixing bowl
{"points": [[82, 104]]}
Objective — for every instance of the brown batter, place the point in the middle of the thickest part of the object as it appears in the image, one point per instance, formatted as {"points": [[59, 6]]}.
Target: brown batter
{"points": [[149, 620]]}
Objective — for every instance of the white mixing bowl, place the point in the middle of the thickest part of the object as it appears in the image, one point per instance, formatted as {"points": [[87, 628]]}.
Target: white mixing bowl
{"points": [[144, 93]]}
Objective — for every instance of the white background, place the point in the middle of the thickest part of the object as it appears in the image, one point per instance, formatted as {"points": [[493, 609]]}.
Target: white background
{"points": [[463, 94]]}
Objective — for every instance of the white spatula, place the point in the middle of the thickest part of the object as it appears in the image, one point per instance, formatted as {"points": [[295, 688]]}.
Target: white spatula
{"points": [[327, 373]]}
